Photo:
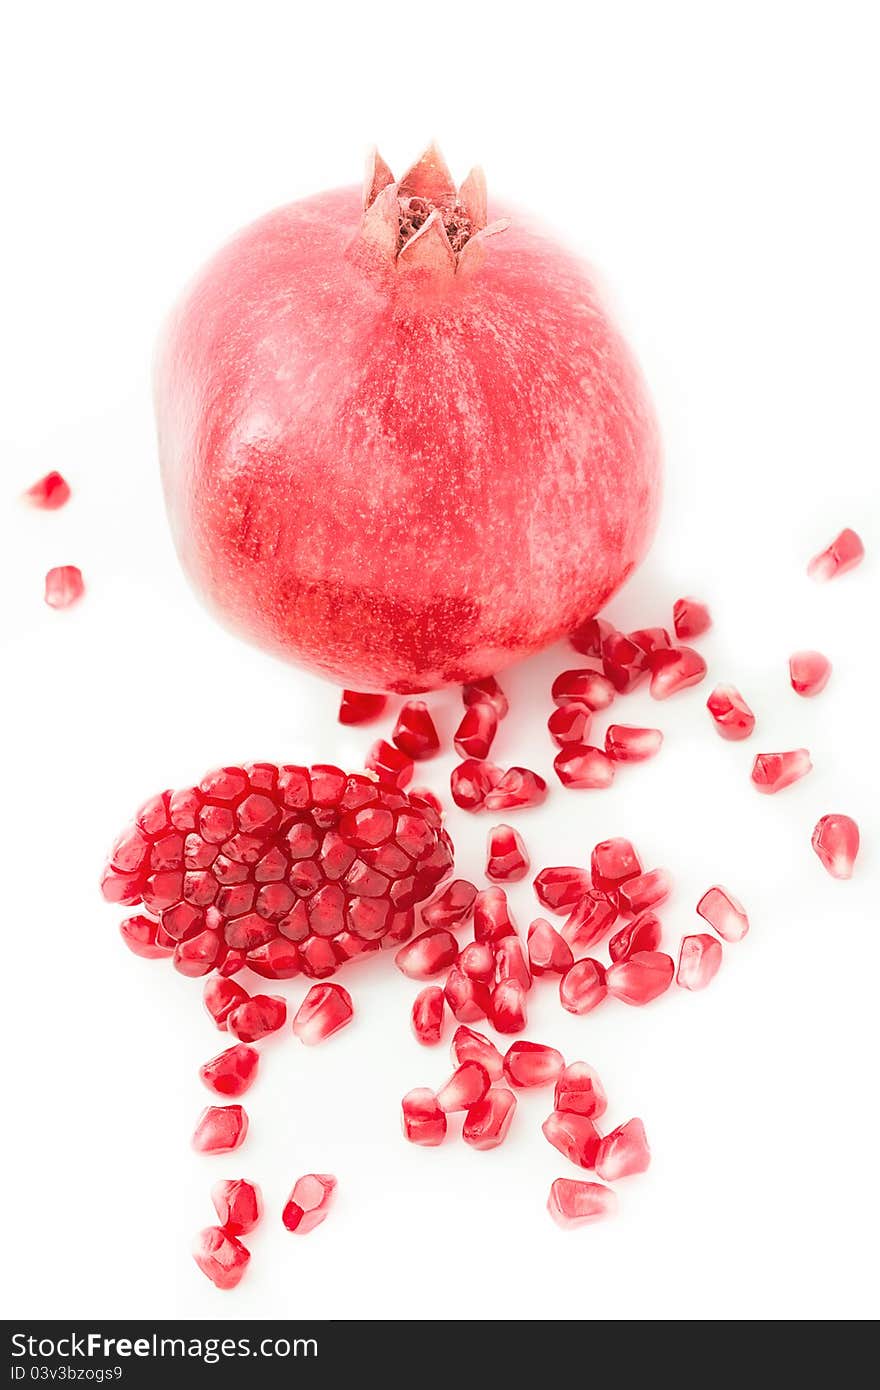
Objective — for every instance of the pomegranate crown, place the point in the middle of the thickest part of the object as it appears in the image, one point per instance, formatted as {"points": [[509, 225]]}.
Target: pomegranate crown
{"points": [[422, 221]]}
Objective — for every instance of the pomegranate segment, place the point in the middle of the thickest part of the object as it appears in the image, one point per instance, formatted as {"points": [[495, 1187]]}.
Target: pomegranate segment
{"points": [[391, 765], [476, 732], [570, 724], [699, 961], [468, 1046], [492, 919], [428, 954], [580, 1092], [325, 1009], [573, 1135], [584, 687], [427, 1016], [592, 919], [466, 1086], [573, 1203], [487, 1123], [532, 1064], [49, 492], [220, 1129], [511, 963], [844, 553], [64, 586], [415, 733], [517, 788], [357, 708], [612, 862], [584, 986], [486, 692], [724, 912], [675, 670], [627, 743], [422, 1120], [221, 1257], [583, 768], [641, 977], [809, 672], [644, 891], [560, 888], [643, 933], [732, 716], [469, 1000], [452, 907], [472, 781], [232, 1072], [690, 618], [256, 1017], [508, 1007], [238, 1204], [549, 953], [140, 936], [507, 859], [221, 996], [773, 772], [623, 1152], [836, 842]]}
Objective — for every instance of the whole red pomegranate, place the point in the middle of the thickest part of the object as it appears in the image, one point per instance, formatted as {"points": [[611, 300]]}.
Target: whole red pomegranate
{"points": [[401, 444]]}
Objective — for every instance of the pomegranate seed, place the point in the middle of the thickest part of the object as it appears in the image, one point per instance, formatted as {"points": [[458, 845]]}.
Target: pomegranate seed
{"points": [[579, 1091], [612, 863], [644, 891], [232, 1072], [588, 638], [414, 732], [357, 708], [773, 772], [64, 585], [238, 1204], [624, 662], [428, 954], [276, 960], [643, 933], [139, 935], [476, 732], [532, 1064], [724, 912], [256, 1017], [699, 961], [732, 716], [548, 952], [390, 765], [626, 743], [623, 1152], [651, 639], [468, 999], [573, 1135], [422, 1119], [836, 841], [487, 692], [583, 987], [466, 1086], [478, 961], [309, 1202], [582, 687], [574, 1203], [507, 859], [517, 788], [592, 919], [220, 1129], [221, 1257], [468, 1046], [809, 672], [511, 963], [558, 889], [583, 767], [492, 919], [49, 493], [453, 906], [221, 997], [844, 553], [675, 670], [570, 724], [325, 1009], [690, 618], [486, 1123], [508, 1011], [426, 799], [197, 955], [427, 1016], [471, 782], [641, 977]]}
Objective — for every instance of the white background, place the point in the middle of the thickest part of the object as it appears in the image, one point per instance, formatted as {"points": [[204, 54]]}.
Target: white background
{"points": [[718, 164]]}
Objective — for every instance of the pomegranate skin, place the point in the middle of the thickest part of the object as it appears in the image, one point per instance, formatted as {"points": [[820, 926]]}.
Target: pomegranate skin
{"points": [[401, 480]]}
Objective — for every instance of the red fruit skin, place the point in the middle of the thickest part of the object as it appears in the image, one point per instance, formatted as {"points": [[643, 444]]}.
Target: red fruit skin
{"points": [[319, 412]]}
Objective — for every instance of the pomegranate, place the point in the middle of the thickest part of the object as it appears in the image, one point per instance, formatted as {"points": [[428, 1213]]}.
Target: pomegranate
{"points": [[402, 444]]}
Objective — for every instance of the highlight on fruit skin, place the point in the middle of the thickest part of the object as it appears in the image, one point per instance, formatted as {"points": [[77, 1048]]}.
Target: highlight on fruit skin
{"points": [[401, 441]]}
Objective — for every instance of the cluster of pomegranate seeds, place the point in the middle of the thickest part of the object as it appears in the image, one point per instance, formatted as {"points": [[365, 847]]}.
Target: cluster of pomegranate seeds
{"points": [[836, 842], [773, 772], [809, 672], [507, 859], [221, 1257], [325, 1009], [733, 718], [238, 1204], [309, 1202], [232, 1072], [49, 492], [355, 708], [220, 1129], [64, 585], [699, 961], [414, 732], [690, 618], [844, 553], [724, 913]]}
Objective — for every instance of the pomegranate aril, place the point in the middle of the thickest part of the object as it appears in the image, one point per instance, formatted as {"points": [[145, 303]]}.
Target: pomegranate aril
{"points": [[238, 1204], [466, 1086], [626, 743], [573, 1135], [476, 732], [570, 724], [588, 638], [472, 781], [198, 954], [492, 919], [690, 618], [49, 492], [507, 858], [221, 996], [623, 1152], [452, 907], [732, 716], [548, 952], [773, 772], [358, 708], [275, 960], [422, 1120], [393, 767], [532, 1064], [582, 687], [583, 768], [487, 691], [428, 954], [560, 888], [487, 1123], [220, 1129], [309, 1202], [643, 933], [468, 1046], [612, 862], [221, 1257], [675, 670], [580, 1092], [624, 662], [592, 919], [468, 999], [644, 891], [573, 1203], [478, 961], [256, 1017], [651, 639], [232, 1072], [508, 1011], [724, 912], [518, 787], [415, 733], [63, 586], [325, 1009], [427, 1016], [641, 977], [809, 672], [699, 961], [583, 987], [139, 935], [836, 841], [511, 963], [844, 553]]}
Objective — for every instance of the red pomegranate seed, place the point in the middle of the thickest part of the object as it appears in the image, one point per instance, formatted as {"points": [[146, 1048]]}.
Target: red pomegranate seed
{"points": [[773, 772], [238, 1204], [644, 891], [532, 1064], [724, 912], [415, 733], [325, 1009], [197, 955], [507, 860], [690, 618], [582, 687], [809, 672], [472, 781], [428, 954], [675, 670], [452, 907], [508, 1010], [583, 987], [623, 1152], [139, 935], [468, 999], [426, 799], [583, 767], [427, 1016], [699, 961], [573, 1135], [466, 1086], [560, 888], [588, 638], [641, 977], [422, 1120], [573, 1203], [221, 997], [276, 960], [844, 553], [64, 585], [49, 493], [309, 1202], [390, 765], [476, 732], [624, 662], [643, 933], [487, 692], [836, 841], [592, 919], [221, 1257], [612, 863], [580, 1092], [511, 963], [232, 1072], [732, 716], [468, 1046], [478, 961], [549, 954], [570, 724], [220, 1129], [357, 708], [492, 919], [626, 743], [517, 788], [486, 1123], [256, 1017]]}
